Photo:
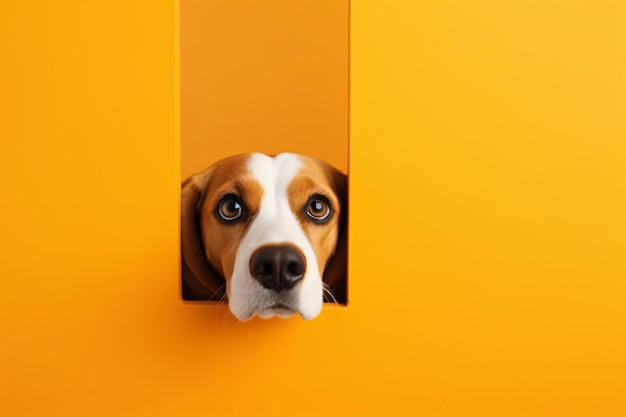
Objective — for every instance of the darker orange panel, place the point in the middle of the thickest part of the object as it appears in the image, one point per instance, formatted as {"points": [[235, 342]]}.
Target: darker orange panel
{"points": [[268, 76]]}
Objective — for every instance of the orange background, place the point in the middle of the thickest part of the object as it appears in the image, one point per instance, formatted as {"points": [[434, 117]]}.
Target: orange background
{"points": [[488, 222], [263, 76]]}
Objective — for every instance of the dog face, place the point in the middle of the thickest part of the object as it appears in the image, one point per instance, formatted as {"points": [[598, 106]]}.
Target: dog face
{"points": [[269, 229]]}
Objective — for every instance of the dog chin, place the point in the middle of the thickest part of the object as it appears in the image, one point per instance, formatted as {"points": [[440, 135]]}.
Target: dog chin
{"points": [[285, 312], [276, 310], [281, 311]]}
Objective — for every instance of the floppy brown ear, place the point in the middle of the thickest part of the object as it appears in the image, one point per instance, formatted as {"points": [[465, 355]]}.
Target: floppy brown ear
{"points": [[199, 279], [335, 272]]}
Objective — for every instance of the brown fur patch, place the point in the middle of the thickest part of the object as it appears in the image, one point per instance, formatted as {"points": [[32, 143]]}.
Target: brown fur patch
{"points": [[230, 176], [315, 178]]}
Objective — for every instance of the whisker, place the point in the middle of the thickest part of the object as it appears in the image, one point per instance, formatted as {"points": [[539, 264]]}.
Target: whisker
{"points": [[220, 302], [326, 289], [216, 291], [225, 319], [227, 311]]}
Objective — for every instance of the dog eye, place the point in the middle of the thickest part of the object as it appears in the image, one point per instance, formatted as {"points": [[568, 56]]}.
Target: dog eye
{"points": [[318, 208], [230, 208]]}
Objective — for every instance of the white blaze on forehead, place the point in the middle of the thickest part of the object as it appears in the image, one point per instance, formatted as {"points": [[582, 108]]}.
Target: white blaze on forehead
{"points": [[274, 223], [274, 175]]}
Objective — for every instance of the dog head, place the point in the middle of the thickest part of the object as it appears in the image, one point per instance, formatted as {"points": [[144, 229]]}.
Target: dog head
{"points": [[269, 231]]}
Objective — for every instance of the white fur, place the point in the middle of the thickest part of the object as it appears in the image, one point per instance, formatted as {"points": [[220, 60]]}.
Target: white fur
{"points": [[275, 223]]}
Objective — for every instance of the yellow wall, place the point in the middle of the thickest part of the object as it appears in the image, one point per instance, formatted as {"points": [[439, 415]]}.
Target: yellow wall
{"points": [[488, 217]]}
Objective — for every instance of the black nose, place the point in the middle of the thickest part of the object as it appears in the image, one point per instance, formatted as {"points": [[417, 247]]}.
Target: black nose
{"points": [[278, 267]]}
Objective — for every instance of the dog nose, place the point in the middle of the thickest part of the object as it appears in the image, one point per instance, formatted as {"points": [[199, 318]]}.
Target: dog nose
{"points": [[277, 267]]}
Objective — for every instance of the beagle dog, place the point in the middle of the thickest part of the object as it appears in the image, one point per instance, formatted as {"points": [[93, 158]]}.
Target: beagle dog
{"points": [[267, 232]]}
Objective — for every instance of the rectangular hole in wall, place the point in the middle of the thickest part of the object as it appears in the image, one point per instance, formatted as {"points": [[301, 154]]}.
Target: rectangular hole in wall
{"points": [[266, 77]]}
